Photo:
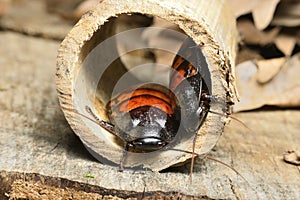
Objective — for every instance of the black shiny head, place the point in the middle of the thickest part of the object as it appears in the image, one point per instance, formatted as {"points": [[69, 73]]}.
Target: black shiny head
{"points": [[148, 144]]}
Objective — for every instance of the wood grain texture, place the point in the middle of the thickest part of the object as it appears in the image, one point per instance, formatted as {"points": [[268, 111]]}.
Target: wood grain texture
{"points": [[35, 139]]}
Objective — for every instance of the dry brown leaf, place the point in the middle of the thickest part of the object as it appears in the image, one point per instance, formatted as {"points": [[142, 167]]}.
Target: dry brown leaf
{"points": [[286, 21], [283, 90], [263, 13], [246, 54], [251, 35], [163, 38], [287, 14], [267, 69], [292, 157], [242, 7], [285, 43], [4, 6]]}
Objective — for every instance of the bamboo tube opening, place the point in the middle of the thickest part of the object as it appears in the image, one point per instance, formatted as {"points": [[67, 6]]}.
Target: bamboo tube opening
{"points": [[95, 62]]}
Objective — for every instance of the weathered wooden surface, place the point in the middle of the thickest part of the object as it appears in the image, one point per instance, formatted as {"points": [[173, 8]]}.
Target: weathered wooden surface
{"points": [[37, 139]]}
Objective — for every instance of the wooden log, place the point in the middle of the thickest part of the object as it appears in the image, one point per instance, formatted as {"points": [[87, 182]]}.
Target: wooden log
{"points": [[83, 78]]}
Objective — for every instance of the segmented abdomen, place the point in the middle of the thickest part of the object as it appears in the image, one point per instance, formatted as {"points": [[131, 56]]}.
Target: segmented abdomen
{"points": [[131, 99]]}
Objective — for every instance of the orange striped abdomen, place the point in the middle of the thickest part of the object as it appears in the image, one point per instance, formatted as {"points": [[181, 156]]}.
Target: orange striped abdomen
{"points": [[143, 96]]}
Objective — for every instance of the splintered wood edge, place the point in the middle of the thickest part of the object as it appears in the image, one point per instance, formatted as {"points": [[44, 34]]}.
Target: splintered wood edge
{"points": [[207, 22], [16, 185]]}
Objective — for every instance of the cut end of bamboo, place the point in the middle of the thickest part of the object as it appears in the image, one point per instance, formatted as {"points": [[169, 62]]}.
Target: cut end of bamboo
{"points": [[90, 65]]}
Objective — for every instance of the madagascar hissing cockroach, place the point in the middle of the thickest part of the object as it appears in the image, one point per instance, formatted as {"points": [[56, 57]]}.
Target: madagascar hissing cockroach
{"points": [[188, 85]]}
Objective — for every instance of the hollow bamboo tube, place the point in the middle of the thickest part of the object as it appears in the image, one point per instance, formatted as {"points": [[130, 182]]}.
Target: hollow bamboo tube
{"points": [[209, 23]]}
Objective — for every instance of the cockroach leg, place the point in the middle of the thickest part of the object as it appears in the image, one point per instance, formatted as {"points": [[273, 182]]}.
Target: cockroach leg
{"points": [[101, 122], [193, 158], [123, 157], [209, 97], [199, 111]]}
